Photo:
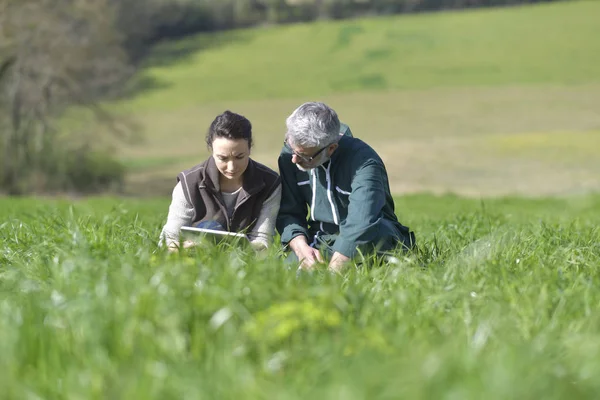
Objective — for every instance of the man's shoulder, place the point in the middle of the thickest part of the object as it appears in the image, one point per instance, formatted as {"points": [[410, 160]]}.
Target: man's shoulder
{"points": [[356, 149]]}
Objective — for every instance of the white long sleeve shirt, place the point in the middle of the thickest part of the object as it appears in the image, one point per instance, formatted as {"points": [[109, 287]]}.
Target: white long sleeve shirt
{"points": [[181, 213]]}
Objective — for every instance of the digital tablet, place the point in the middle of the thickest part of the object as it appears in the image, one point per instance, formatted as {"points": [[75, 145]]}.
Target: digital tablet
{"points": [[194, 234]]}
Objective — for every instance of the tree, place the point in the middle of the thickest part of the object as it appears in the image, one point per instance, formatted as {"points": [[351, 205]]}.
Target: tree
{"points": [[54, 54]]}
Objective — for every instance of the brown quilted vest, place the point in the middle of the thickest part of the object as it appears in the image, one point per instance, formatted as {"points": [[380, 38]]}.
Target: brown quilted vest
{"points": [[201, 188]]}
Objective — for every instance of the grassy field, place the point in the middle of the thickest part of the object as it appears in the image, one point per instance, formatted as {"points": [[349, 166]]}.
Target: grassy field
{"points": [[425, 90], [499, 302]]}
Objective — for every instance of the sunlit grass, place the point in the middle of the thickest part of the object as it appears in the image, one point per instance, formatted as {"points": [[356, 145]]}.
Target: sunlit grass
{"points": [[414, 86], [552, 146], [500, 301], [543, 44]]}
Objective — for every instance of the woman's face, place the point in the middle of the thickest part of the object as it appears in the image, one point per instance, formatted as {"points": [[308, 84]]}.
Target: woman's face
{"points": [[231, 157]]}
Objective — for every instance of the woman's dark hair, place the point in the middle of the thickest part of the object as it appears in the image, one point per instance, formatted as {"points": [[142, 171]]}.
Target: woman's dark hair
{"points": [[229, 125]]}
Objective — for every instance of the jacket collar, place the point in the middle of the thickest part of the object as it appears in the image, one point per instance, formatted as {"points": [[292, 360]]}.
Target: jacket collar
{"points": [[340, 149], [251, 180]]}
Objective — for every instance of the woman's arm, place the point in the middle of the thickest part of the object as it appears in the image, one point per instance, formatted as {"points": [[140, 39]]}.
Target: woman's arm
{"points": [[181, 213], [262, 234]]}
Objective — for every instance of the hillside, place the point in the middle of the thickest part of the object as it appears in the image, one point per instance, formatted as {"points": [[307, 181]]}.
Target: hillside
{"points": [[419, 87]]}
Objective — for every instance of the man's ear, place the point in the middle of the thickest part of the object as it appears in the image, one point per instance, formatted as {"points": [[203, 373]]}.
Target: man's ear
{"points": [[332, 148]]}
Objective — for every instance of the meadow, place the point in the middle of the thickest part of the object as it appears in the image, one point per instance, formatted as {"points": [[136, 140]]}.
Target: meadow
{"points": [[500, 301], [457, 100]]}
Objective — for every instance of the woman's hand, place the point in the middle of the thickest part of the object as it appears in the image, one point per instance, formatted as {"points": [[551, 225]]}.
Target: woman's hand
{"points": [[186, 245]]}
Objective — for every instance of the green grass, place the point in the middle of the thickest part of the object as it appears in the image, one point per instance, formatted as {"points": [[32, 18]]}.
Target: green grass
{"points": [[555, 146], [425, 90], [141, 164], [500, 302], [554, 43]]}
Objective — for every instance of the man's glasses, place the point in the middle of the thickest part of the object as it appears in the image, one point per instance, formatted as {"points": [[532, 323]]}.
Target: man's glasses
{"points": [[305, 159]]}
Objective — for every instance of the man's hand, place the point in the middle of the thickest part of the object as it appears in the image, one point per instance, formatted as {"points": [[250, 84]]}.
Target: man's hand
{"points": [[307, 255], [337, 262]]}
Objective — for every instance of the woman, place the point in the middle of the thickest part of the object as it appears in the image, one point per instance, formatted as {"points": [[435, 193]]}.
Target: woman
{"points": [[228, 191]]}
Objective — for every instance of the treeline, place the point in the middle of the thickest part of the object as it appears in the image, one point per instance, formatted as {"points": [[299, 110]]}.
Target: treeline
{"points": [[60, 54], [143, 22]]}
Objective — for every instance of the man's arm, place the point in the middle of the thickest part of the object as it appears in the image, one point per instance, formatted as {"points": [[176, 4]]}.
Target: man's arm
{"points": [[291, 220], [366, 202]]}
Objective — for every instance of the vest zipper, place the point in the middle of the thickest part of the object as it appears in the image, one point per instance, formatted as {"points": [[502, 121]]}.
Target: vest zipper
{"points": [[238, 205], [217, 196]]}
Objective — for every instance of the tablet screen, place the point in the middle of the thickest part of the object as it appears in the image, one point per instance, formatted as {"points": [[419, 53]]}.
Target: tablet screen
{"points": [[192, 233]]}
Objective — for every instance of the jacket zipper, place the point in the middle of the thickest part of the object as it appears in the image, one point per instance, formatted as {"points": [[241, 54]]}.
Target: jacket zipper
{"points": [[333, 210]]}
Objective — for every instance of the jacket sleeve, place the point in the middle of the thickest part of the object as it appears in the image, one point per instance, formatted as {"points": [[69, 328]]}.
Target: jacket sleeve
{"points": [[365, 209], [262, 233], [181, 213], [291, 220]]}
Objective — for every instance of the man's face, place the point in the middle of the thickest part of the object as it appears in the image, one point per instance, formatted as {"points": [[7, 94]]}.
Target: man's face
{"points": [[307, 158]]}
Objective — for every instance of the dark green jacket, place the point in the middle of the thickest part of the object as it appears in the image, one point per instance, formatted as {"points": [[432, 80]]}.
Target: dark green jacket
{"points": [[348, 197]]}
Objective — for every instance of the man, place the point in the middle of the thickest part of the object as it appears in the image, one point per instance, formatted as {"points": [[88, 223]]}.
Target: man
{"points": [[344, 184]]}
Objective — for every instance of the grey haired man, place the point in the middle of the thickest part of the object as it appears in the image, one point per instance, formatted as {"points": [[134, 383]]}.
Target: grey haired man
{"points": [[343, 182]]}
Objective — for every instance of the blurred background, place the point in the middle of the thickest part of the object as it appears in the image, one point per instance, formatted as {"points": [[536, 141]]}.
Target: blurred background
{"points": [[472, 97]]}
